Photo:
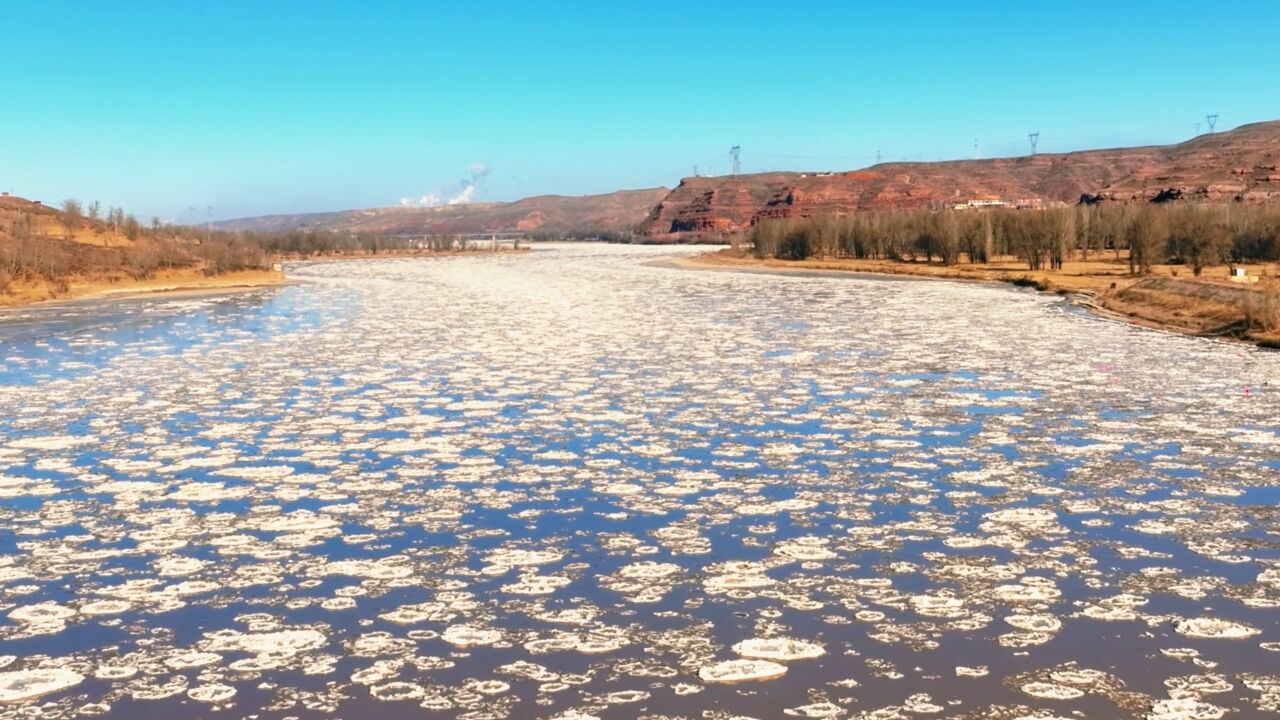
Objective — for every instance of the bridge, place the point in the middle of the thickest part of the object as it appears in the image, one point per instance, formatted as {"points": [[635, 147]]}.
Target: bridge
{"points": [[461, 241]]}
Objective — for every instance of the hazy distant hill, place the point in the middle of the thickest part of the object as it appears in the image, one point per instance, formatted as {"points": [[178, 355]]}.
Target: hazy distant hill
{"points": [[614, 212], [1239, 164]]}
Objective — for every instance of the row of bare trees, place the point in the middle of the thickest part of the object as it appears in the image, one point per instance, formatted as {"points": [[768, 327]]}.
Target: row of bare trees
{"points": [[305, 243], [75, 215], [1197, 235]]}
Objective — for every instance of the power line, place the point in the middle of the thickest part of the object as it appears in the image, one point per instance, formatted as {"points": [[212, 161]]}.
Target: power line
{"points": [[999, 149]]}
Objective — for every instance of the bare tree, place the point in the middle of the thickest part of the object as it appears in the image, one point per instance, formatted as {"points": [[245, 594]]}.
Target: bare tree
{"points": [[1147, 239], [1198, 238], [115, 216], [1084, 229], [132, 228], [1063, 236], [72, 216]]}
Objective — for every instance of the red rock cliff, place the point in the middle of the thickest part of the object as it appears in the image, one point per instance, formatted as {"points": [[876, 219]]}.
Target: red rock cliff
{"points": [[1240, 164]]}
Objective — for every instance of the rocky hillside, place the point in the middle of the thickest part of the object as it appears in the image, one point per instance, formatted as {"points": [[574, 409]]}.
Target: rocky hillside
{"points": [[614, 212], [1241, 164]]}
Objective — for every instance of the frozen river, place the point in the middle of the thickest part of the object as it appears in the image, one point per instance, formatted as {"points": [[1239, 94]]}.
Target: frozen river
{"points": [[581, 483]]}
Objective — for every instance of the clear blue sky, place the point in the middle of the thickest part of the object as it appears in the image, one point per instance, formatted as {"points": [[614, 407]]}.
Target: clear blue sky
{"points": [[263, 107]]}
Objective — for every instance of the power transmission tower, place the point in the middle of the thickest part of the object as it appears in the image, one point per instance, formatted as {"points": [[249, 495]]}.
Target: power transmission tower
{"points": [[975, 148], [1034, 139], [1197, 129], [1212, 119], [734, 152], [877, 157], [695, 170]]}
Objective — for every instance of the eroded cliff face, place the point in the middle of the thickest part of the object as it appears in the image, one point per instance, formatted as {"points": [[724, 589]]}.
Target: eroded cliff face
{"points": [[1238, 165]]}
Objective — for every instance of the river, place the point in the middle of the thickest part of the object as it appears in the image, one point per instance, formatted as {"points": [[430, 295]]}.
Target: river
{"points": [[581, 482]]}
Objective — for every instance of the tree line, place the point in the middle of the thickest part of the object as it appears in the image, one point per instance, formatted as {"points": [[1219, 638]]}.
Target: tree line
{"points": [[1195, 235], [306, 243]]}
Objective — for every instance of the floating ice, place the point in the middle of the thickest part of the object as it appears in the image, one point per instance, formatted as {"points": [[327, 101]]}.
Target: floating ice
{"points": [[780, 649], [648, 569], [522, 558], [20, 685], [1204, 627], [468, 636], [1037, 623], [42, 613], [212, 693], [1052, 691], [816, 710], [1185, 709], [736, 671]]}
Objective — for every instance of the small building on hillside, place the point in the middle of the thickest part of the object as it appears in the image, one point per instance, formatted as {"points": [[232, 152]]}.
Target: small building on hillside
{"points": [[986, 202], [1241, 275]]}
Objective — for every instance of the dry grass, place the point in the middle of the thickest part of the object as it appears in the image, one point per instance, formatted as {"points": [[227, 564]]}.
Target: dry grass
{"points": [[1262, 312], [1174, 310]]}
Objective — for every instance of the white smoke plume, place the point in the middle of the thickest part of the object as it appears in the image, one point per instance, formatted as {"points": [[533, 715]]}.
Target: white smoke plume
{"points": [[459, 193], [428, 200]]}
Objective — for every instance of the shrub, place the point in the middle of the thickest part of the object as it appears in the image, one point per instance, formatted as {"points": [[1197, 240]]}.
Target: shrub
{"points": [[1262, 311]]}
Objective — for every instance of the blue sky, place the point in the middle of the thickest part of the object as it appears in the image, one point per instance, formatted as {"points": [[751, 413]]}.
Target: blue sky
{"points": [[264, 107]]}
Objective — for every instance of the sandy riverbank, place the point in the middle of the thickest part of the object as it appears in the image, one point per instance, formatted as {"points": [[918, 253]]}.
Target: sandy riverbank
{"points": [[1209, 306], [179, 281]]}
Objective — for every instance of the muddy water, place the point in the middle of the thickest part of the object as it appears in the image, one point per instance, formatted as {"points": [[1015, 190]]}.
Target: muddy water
{"points": [[578, 483]]}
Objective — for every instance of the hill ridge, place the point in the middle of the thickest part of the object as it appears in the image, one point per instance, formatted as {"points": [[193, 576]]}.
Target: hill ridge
{"points": [[1238, 164], [616, 212]]}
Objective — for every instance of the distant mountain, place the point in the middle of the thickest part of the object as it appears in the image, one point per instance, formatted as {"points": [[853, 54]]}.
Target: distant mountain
{"points": [[1237, 165], [615, 212]]}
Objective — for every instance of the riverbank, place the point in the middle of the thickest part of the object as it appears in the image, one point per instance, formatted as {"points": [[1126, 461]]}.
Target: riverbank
{"points": [[179, 281], [1209, 306]]}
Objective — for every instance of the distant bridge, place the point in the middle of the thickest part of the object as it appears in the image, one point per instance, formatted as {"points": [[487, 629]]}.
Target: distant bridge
{"points": [[462, 241]]}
